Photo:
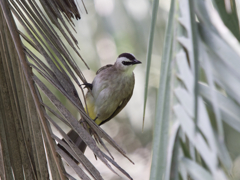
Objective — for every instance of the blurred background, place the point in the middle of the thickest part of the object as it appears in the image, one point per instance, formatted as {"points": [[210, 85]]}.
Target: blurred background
{"points": [[109, 29]]}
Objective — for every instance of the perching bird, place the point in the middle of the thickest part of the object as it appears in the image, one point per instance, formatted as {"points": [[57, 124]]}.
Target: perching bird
{"points": [[109, 92]]}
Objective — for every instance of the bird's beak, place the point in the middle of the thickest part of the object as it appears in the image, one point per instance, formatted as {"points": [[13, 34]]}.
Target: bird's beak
{"points": [[136, 62]]}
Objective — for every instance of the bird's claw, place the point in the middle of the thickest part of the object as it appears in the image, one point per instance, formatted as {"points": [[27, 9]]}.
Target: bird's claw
{"points": [[87, 85]]}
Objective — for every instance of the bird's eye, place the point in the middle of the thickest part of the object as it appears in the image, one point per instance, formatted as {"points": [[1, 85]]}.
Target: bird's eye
{"points": [[126, 63]]}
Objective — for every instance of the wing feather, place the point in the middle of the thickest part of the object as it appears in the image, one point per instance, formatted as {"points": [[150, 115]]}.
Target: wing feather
{"points": [[121, 105], [104, 67]]}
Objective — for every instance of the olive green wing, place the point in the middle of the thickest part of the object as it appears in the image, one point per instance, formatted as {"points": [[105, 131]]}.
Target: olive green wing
{"points": [[89, 85], [122, 104], [104, 67]]}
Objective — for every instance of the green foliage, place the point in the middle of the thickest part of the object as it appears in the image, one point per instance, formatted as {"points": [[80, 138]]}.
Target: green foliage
{"points": [[196, 105], [160, 136]]}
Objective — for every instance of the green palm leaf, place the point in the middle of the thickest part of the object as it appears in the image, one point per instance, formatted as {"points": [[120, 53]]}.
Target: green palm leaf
{"points": [[204, 91]]}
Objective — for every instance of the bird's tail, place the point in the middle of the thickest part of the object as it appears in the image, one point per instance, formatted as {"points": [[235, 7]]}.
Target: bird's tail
{"points": [[77, 140], [75, 137]]}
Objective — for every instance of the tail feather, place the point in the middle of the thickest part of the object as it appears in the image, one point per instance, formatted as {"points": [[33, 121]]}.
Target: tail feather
{"points": [[77, 140]]}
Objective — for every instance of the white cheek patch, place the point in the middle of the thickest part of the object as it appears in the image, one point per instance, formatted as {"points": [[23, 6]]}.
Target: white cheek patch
{"points": [[127, 68], [122, 59]]}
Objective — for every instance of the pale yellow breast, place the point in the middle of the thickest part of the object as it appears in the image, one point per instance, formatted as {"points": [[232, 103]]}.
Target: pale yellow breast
{"points": [[90, 106]]}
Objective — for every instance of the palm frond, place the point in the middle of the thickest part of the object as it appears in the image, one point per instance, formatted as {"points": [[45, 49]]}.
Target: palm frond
{"points": [[149, 54], [160, 137], [205, 94], [37, 53]]}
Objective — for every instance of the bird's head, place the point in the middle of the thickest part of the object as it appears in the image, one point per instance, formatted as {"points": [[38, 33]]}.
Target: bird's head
{"points": [[126, 62]]}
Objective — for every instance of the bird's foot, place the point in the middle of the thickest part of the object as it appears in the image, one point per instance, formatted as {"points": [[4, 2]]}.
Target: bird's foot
{"points": [[87, 85], [95, 119]]}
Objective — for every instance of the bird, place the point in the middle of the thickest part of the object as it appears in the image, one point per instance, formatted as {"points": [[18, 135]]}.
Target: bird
{"points": [[109, 93]]}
